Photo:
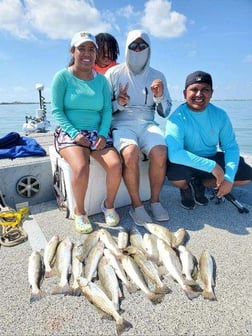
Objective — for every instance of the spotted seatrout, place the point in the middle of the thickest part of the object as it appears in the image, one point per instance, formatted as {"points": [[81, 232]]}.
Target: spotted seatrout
{"points": [[136, 239], [36, 272], [173, 266], [97, 296], [150, 271], [77, 268], [150, 245], [49, 255], [206, 274], [109, 242], [179, 237], [63, 264], [189, 263], [92, 260], [116, 264], [135, 274], [123, 239], [89, 242], [160, 232], [109, 281]]}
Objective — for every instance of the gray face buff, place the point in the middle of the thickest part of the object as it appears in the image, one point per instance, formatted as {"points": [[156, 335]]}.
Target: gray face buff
{"points": [[137, 60]]}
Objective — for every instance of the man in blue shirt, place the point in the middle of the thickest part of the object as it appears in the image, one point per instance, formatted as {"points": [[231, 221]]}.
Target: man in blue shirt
{"points": [[202, 147]]}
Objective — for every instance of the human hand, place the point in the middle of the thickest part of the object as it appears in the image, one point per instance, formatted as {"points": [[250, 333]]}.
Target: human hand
{"points": [[157, 88], [123, 97], [224, 188], [218, 173], [80, 139], [100, 143]]}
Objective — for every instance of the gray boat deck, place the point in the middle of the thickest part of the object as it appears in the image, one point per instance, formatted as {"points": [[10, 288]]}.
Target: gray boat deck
{"points": [[220, 229]]}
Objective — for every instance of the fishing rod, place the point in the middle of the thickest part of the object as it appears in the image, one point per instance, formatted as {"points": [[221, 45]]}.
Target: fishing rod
{"points": [[229, 197]]}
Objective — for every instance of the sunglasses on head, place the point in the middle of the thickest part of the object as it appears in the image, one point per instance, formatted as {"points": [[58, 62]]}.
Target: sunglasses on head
{"points": [[140, 45]]}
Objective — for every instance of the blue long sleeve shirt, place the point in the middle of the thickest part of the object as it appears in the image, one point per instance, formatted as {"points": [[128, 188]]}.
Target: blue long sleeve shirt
{"points": [[192, 136]]}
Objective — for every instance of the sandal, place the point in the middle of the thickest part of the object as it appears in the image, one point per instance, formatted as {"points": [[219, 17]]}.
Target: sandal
{"points": [[82, 224]]}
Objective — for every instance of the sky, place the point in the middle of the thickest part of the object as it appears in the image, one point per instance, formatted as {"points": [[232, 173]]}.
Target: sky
{"points": [[186, 35]]}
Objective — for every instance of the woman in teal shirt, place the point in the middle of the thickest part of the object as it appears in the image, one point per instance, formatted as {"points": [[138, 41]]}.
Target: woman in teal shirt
{"points": [[81, 105]]}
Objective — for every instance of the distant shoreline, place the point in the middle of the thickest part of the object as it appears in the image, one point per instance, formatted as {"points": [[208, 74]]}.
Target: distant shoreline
{"points": [[21, 103], [25, 103]]}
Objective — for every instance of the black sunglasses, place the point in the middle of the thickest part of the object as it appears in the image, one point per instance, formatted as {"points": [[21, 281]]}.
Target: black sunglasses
{"points": [[140, 45]]}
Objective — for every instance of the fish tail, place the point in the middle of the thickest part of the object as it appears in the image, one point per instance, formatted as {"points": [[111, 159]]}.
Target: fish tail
{"points": [[122, 325], [155, 298], [37, 296], [75, 291], [209, 295], [194, 285], [162, 290], [190, 293]]}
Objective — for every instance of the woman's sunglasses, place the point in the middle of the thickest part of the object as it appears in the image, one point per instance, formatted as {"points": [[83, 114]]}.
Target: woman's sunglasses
{"points": [[140, 45]]}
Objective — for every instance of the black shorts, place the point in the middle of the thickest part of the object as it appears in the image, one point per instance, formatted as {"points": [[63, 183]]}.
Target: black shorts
{"points": [[177, 172]]}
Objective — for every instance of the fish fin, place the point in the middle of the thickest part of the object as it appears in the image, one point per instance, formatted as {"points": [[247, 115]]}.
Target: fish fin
{"points": [[65, 290], [155, 298], [209, 295], [122, 325], [104, 316], [120, 310]]}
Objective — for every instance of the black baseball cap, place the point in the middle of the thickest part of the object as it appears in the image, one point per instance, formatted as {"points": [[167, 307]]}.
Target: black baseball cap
{"points": [[199, 77]]}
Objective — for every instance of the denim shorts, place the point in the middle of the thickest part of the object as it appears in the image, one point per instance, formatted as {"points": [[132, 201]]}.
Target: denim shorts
{"points": [[63, 140]]}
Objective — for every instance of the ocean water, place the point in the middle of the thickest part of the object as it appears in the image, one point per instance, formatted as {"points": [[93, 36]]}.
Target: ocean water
{"points": [[12, 118]]}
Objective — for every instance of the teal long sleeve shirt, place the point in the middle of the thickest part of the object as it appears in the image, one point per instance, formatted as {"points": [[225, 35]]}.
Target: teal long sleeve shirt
{"points": [[81, 105], [192, 136]]}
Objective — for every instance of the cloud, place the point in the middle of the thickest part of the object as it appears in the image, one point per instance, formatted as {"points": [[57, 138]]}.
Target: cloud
{"points": [[161, 21], [56, 19], [13, 19], [128, 12]]}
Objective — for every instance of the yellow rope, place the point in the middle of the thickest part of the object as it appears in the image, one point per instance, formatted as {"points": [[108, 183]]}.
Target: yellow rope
{"points": [[11, 221]]}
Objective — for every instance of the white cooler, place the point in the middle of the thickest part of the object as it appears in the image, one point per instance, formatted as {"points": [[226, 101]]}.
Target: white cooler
{"points": [[96, 191]]}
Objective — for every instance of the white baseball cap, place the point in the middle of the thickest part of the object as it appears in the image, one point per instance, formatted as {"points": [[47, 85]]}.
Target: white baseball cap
{"points": [[82, 37]]}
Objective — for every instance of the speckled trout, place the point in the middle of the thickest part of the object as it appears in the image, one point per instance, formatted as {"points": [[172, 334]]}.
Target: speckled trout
{"points": [[97, 296]]}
